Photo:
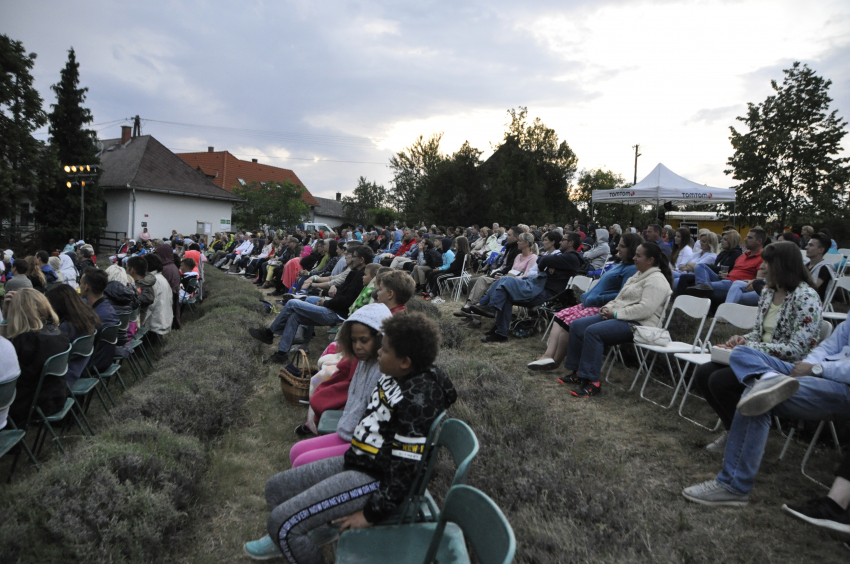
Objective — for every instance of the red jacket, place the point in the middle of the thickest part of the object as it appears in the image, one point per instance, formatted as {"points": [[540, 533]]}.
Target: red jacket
{"points": [[745, 267], [333, 392]]}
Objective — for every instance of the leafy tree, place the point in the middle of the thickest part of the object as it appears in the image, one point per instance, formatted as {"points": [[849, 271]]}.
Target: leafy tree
{"points": [[412, 169], [22, 157], [273, 203], [57, 206], [530, 174], [787, 162], [368, 196], [604, 214]]}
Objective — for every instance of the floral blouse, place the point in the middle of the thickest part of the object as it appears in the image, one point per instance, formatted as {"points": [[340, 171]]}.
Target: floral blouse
{"points": [[797, 329]]}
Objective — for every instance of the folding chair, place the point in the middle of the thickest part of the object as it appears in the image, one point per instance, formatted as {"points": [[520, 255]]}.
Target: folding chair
{"points": [[581, 282], [615, 351], [468, 515], [741, 316], [83, 387], [329, 421], [829, 313], [56, 366], [191, 288], [696, 308], [11, 435], [459, 281]]}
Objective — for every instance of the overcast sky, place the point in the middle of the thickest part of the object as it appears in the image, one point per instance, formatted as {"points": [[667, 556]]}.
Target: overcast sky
{"points": [[301, 84]]}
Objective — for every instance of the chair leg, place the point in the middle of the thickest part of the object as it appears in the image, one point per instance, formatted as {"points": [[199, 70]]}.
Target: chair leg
{"points": [[145, 356], [54, 435], [810, 449], [85, 419], [105, 384], [120, 379], [100, 397], [685, 398]]}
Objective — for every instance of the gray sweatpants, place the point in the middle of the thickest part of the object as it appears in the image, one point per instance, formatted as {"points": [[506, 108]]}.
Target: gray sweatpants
{"points": [[482, 284], [310, 496]]}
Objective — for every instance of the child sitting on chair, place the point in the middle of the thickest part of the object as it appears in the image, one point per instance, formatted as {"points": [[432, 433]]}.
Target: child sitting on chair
{"points": [[187, 271], [370, 481]]}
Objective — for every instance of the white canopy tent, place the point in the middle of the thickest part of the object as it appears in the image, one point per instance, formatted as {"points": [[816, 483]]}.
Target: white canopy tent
{"points": [[662, 185]]}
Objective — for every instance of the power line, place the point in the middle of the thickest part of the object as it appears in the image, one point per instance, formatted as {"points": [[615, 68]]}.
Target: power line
{"points": [[173, 150]]}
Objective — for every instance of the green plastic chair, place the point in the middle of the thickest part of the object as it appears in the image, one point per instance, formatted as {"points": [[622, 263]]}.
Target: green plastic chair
{"points": [[468, 515], [191, 288], [109, 335], [55, 366], [11, 435], [329, 421], [83, 387]]}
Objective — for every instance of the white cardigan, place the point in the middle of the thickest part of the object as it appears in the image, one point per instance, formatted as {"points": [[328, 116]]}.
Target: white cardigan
{"points": [[642, 298]]}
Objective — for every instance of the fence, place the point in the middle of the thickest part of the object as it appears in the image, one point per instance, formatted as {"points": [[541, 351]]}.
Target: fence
{"points": [[108, 242]]}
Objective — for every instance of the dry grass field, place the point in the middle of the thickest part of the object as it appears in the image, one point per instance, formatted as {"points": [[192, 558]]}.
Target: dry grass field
{"points": [[594, 480]]}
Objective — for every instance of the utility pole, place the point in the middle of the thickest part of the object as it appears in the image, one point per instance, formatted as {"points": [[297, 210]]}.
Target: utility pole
{"points": [[636, 147]]}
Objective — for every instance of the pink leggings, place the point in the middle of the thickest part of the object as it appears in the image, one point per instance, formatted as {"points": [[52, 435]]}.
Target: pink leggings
{"points": [[317, 448]]}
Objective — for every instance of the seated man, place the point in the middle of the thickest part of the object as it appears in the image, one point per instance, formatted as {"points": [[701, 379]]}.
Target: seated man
{"points": [[92, 286], [555, 272], [817, 388], [821, 269], [654, 235], [745, 267], [327, 312], [483, 283], [747, 292]]}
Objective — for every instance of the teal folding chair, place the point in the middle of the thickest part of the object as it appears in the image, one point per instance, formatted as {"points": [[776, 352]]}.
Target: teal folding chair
{"points": [[11, 435], [54, 367], [468, 515], [329, 421], [109, 335], [83, 347]]}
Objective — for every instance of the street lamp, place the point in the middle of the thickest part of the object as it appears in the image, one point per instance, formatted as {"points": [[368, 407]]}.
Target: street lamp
{"points": [[77, 177]]}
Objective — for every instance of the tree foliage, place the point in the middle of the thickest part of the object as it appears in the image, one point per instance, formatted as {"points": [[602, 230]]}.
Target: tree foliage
{"points": [[22, 157], [787, 160], [57, 206], [528, 176], [606, 214], [368, 197], [274, 203]]}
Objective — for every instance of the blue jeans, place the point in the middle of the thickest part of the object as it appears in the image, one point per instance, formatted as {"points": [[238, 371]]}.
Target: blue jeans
{"points": [[705, 275], [818, 399], [738, 295], [297, 313], [504, 304], [588, 338]]}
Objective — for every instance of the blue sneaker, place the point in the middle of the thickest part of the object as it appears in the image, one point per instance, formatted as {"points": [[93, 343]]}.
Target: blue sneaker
{"points": [[263, 549]]}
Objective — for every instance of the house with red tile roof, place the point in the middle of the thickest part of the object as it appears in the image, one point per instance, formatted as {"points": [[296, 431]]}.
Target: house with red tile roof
{"points": [[226, 171]]}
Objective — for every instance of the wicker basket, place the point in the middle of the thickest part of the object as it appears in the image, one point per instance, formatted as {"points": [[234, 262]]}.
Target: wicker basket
{"points": [[296, 388]]}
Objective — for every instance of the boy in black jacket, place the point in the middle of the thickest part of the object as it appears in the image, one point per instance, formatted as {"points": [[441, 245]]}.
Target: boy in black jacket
{"points": [[369, 482]]}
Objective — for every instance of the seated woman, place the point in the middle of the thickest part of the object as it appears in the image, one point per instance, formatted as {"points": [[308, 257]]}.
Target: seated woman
{"points": [[69, 273], [603, 292], [640, 302], [33, 328], [730, 250], [455, 268], [787, 327], [682, 249], [35, 274], [358, 338], [77, 319]]}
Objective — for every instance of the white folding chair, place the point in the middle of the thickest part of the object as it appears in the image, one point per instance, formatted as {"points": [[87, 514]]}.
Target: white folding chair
{"points": [[741, 316], [458, 281], [696, 308], [581, 281], [829, 313], [615, 351]]}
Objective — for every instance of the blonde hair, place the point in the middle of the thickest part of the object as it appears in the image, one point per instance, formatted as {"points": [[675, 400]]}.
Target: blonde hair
{"points": [[734, 238], [712, 240], [29, 310], [116, 273], [529, 238], [33, 269]]}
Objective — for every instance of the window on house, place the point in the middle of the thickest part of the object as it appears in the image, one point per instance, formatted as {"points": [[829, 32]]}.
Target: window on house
{"points": [[25, 216]]}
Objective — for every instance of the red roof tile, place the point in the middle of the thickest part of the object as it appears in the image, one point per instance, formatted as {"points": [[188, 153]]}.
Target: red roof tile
{"points": [[225, 170]]}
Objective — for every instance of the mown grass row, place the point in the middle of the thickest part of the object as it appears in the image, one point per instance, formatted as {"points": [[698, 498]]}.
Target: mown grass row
{"points": [[126, 494]]}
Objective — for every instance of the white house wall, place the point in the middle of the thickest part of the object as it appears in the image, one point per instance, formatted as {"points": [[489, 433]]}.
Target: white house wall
{"points": [[331, 221], [163, 212]]}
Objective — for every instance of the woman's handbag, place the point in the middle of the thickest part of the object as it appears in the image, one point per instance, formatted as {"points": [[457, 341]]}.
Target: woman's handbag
{"points": [[295, 378], [653, 336]]}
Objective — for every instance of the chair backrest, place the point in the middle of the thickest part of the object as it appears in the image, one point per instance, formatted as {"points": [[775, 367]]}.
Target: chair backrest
{"points": [[456, 437], [845, 252], [83, 346], [593, 283], [483, 524], [7, 391], [109, 335], [740, 316], [419, 483], [124, 320], [192, 284], [694, 307], [835, 259], [825, 331], [842, 282], [581, 282], [134, 315], [56, 365]]}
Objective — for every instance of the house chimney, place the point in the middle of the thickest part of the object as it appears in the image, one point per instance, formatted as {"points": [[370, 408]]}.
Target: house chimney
{"points": [[126, 130], [338, 196], [210, 149], [253, 160]]}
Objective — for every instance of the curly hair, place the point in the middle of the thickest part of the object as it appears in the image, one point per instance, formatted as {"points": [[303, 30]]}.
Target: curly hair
{"points": [[414, 336]]}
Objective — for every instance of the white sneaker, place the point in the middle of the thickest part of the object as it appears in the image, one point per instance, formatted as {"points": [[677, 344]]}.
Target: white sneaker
{"points": [[242, 271], [719, 445], [712, 493], [767, 394], [438, 301], [542, 364]]}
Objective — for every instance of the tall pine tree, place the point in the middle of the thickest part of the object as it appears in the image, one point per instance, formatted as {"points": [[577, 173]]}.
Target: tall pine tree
{"points": [[58, 208], [21, 155]]}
